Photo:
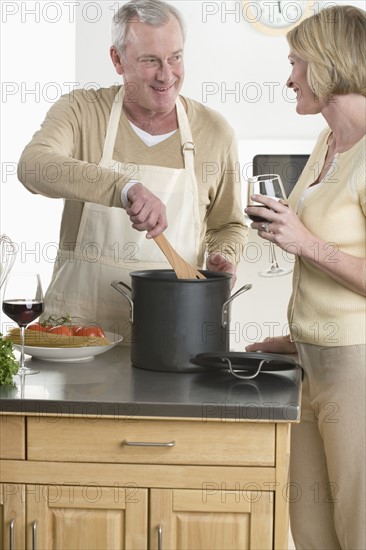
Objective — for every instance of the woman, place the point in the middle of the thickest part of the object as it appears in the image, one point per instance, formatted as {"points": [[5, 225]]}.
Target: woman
{"points": [[325, 228]]}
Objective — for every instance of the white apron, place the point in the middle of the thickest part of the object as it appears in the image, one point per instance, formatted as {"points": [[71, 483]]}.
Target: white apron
{"points": [[108, 248]]}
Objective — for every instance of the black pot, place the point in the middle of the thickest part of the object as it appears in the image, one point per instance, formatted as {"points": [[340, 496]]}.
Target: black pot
{"points": [[173, 320]]}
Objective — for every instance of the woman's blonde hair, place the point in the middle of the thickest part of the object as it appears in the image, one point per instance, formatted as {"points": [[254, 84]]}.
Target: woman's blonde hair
{"points": [[334, 43]]}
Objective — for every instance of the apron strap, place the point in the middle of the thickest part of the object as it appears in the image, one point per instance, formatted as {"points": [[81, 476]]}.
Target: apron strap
{"points": [[188, 147], [113, 123]]}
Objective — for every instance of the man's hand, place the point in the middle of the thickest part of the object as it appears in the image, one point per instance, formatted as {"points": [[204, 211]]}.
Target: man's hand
{"points": [[218, 262], [146, 211]]}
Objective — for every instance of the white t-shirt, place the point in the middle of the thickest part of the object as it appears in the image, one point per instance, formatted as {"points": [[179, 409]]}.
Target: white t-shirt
{"points": [[149, 140]]}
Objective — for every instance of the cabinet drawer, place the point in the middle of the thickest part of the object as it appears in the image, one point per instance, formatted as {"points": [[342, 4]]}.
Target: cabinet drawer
{"points": [[12, 437], [151, 441]]}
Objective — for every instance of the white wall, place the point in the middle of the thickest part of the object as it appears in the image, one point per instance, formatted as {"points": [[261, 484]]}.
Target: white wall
{"points": [[47, 47], [37, 66]]}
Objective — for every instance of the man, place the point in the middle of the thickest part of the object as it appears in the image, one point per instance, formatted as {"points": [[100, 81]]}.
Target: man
{"points": [[144, 148]]}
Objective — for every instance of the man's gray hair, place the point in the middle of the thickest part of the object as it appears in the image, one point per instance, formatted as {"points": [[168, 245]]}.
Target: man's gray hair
{"points": [[151, 12]]}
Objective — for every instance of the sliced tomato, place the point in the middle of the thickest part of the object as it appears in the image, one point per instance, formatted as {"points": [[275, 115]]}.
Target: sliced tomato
{"points": [[37, 326], [93, 331]]}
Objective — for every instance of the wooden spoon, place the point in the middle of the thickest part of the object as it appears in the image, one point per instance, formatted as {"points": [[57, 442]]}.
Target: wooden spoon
{"points": [[183, 269]]}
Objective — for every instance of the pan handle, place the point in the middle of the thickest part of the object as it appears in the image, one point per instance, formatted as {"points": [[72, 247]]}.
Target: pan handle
{"points": [[117, 285], [225, 307]]}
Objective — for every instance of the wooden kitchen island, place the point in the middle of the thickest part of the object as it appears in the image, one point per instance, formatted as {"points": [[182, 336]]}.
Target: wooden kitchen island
{"points": [[100, 455]]}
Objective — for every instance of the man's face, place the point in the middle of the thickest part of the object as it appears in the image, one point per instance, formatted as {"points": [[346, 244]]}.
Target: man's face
{"points": [[152, 66]]}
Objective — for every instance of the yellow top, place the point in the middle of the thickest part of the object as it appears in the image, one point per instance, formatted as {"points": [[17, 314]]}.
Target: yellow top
{"points": [[321, 310], [61, 161]]}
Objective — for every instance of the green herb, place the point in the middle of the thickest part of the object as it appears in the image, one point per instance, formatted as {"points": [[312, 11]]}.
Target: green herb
{"points": [[8, 365]]}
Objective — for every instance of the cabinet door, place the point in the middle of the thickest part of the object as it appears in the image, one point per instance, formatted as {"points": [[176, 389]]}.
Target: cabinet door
{"points": [[211, 519], [12, 516], [61, 517]]}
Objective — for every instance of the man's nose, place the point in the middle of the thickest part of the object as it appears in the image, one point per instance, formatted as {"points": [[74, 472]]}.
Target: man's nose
{"points": [[164, 72]]}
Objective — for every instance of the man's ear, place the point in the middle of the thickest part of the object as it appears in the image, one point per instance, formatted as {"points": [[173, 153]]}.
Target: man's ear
{"points": [[116, 59]]}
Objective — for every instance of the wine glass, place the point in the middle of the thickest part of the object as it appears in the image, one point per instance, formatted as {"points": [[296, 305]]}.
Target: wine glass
{"points": [[23, 302], [271, 186]]}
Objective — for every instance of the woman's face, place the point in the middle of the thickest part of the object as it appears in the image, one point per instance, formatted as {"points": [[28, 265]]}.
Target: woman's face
{"points": [[307, 102]]}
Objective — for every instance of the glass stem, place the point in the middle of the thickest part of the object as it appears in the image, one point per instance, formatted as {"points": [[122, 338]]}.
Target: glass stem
{"points": [[22, 384], [273, 259], [22, 332]]}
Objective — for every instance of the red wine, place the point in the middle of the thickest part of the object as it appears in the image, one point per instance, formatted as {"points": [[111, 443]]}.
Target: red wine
{"points": [[23, 312], [258, 218]]}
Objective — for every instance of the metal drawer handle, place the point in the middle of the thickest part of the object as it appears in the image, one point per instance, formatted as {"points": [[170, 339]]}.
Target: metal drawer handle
{"points": [[147, 444], [11, 534], [160, 537], [34, 532]]}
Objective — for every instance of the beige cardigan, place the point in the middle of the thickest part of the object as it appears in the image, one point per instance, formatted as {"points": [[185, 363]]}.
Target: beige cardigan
{"points": [[321, 310]]}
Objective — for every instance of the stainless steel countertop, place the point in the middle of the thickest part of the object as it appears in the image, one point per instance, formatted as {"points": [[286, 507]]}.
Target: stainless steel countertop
{"points": [[109, 385]]}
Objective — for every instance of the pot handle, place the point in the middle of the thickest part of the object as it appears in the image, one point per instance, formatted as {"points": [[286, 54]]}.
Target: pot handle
{"points": [[117, 286], [225, 307]]}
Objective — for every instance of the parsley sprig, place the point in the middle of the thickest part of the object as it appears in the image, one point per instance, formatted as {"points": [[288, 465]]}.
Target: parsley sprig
{"points": [[8, 365]]}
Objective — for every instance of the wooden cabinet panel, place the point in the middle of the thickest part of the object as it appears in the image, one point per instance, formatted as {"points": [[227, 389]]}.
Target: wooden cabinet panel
{"points": [[89, 518], [12, 516], [223, 520], [214, 443], [12, 437], [219, 487]]}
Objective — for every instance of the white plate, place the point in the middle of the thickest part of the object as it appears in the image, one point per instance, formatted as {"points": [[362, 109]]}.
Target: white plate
{"points": [[69, 355]]}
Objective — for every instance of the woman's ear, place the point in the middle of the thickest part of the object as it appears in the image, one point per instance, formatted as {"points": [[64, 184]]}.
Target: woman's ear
{"points": [[116, 59]]}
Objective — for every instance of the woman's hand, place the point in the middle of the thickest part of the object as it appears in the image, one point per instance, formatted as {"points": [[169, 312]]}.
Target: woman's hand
{"points": [[276, 344], [283, 227]]}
